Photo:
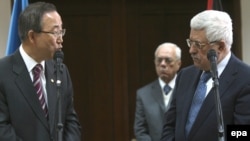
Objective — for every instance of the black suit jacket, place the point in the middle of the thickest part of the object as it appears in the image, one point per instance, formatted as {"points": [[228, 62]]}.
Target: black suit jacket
{"points": [[234, 89], [21, 116]]}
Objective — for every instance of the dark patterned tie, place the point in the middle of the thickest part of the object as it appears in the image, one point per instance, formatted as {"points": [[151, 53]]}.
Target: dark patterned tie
{"points": [[197, 100], [167, 89], [39, 89]]}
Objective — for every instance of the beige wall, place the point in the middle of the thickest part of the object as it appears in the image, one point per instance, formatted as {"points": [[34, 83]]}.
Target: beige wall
{"points": [[4, 24], [245, 11]]}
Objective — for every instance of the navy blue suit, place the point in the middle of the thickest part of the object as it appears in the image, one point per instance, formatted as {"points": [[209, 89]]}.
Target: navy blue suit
{"points": [[234, 89]]}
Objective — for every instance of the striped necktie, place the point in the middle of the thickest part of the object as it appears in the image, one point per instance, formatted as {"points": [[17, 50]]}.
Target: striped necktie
{"points": [[38, 86]]}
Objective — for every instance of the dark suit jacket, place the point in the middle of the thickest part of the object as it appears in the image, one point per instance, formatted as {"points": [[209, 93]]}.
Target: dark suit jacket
{"points": [[234, 90], [150, 109], [21, 116]]}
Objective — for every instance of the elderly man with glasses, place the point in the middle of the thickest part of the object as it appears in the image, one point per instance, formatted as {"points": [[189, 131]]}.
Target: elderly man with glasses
{"points": [[192, 115], [153, 99]]}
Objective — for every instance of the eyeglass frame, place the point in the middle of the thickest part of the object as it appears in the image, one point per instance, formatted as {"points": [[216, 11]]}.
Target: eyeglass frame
{"points": [[55, 33], [198, 44], [167, 60]]}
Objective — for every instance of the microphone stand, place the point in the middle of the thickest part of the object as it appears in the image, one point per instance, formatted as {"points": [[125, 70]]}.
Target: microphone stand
{"points": [[221, 134], [59, 69], [59, 122]]}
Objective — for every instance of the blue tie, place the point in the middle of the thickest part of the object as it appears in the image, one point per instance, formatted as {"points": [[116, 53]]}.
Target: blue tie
{"points": [[197, 100], [167, 89]]}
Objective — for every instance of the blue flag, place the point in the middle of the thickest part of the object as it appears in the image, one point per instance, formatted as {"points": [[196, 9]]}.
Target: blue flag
{"points": [[13, 41]]}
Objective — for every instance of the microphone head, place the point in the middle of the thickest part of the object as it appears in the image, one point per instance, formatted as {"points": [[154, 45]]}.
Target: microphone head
{"points": [[211, 53], [58, 55]]}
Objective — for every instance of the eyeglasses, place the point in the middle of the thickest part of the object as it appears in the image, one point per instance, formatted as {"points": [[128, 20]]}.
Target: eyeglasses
{"points": [[59, 33], [197, 44], [167, 60]]}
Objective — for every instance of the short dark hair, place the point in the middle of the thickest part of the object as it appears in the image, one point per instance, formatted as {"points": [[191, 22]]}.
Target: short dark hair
{"points": [[31, 17]]}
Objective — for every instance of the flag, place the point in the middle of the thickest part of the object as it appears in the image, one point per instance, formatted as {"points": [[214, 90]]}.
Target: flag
{"points": [[13, 41], [214, 4]]}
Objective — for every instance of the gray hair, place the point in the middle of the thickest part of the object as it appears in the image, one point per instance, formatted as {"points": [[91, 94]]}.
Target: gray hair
{"points": [[217, 25], [171, 45]]}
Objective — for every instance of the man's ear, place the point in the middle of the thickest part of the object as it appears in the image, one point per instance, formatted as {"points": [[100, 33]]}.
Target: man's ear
{"points": [[31, 35], [222, 45]]}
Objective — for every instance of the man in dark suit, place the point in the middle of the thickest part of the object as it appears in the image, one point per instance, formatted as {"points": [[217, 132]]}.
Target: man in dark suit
{"points": [[152, 102], [210, 29], [22, 115]]}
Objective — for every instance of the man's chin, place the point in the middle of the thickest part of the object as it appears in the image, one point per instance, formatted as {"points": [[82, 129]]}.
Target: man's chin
{"points": [[164, 77], [196, 65]]}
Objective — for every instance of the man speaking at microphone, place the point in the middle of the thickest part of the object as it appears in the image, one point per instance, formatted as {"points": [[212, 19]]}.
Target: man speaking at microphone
{"points": [[28, 89], [192, 114]]}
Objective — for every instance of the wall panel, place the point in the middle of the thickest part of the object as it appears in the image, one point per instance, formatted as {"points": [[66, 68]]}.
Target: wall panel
{"points": [[109, 47]]}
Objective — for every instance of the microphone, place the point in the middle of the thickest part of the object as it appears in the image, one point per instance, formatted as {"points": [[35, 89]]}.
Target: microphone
{"points": [[212, 57], [58, 58]]}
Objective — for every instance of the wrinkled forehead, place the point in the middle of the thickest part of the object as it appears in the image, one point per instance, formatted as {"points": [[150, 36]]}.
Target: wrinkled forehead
{"points": [[166, 51]]}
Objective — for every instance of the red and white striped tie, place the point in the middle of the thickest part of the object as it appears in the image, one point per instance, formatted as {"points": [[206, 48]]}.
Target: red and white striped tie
{"points": [[38, 86]]}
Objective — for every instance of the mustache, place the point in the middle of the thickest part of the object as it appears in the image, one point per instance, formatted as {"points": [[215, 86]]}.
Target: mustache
{"points": [[194, 56], [163, 69]]}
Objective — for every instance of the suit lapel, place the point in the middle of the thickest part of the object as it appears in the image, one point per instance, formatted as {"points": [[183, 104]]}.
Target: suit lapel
{"points": [[188, 90], [157, 94], [51, 93], [24, 83], [227, 77]]}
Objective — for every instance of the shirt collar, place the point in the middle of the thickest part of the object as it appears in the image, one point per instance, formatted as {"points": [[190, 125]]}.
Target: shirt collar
{"points": [[29, 62], [171, 83], [221, 66]]}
